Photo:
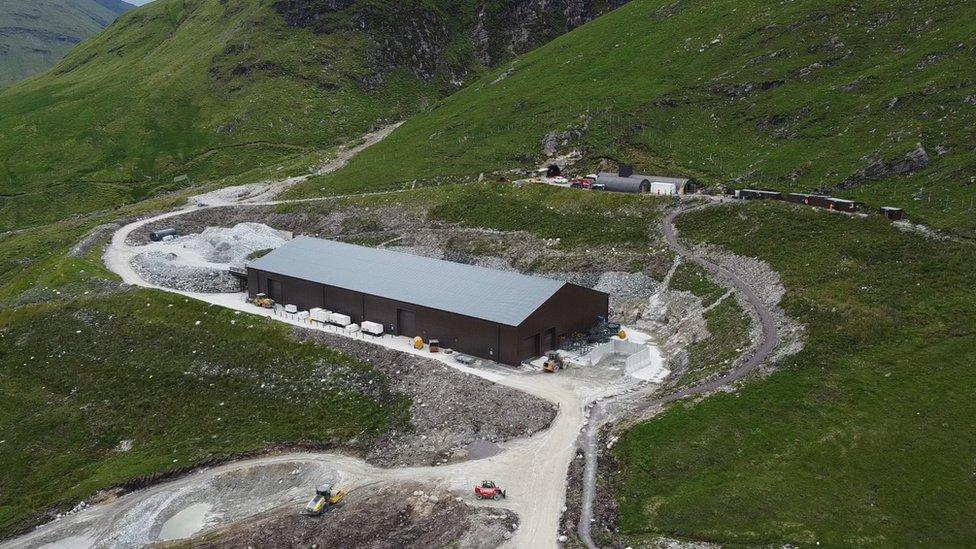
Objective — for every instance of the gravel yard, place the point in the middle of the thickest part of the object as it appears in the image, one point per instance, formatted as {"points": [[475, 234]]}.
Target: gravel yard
{"points": [[166, 269]]}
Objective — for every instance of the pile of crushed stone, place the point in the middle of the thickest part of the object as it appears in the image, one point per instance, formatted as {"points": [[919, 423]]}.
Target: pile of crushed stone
{"points": [[198, 262], [450, 410], [233, 245], [164, 269]]}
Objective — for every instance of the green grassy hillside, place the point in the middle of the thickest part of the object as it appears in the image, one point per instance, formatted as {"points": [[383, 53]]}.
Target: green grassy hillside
{"points": [[199, 87], [86, 364], [861, 439], [35, 35], [789, 95], [216, 89], [185, 383]]}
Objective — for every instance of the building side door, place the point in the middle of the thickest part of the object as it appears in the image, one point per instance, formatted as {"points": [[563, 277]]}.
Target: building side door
{"points": [[549, 341], [274, 290], [529, 348], [406, 323]]}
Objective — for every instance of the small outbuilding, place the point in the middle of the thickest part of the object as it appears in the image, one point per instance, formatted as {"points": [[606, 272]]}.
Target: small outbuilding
{"points": [[498, 315], [822, 201], [841, 204], [755, 194], [892, 213], [816, 200], [625, 181]]}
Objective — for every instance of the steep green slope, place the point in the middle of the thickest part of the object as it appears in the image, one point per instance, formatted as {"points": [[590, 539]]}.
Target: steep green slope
{"points": [[79, 378], [790, 95], [35, 35], [216, 88], [864, 438], [201, 87], [86, 364]]}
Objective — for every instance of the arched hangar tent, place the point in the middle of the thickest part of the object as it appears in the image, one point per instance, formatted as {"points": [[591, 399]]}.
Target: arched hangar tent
{"points": [[644, 184]]}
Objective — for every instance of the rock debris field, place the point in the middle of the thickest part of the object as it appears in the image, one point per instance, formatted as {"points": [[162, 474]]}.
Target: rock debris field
{"points": [[199, 262], [399, 515], [450, 410]]}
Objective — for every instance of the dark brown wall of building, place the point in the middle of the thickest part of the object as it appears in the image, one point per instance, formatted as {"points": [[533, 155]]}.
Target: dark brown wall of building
{"points": [[571, 309], [344, 301]]}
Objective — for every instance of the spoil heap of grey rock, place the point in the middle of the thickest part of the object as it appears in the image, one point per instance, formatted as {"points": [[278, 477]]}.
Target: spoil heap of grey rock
{"points": [[450, 409], [163, 269]]}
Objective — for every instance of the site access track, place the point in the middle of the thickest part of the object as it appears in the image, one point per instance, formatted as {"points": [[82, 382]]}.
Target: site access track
{"points": [[760, 353], [532, 469]]}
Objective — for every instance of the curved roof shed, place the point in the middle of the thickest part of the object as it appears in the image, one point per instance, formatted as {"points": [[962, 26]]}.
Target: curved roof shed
{"points": [[638, 183], [630, 184]]}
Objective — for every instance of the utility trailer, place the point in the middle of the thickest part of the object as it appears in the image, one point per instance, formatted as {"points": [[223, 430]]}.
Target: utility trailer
{"points": [[371, 328], [755, 194], [340, 319]]}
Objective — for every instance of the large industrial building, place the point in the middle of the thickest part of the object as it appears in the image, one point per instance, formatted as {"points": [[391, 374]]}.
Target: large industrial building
{"points": [[499, 315]]}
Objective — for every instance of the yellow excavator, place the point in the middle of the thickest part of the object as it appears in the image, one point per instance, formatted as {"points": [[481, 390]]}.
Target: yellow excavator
{"points": [[324, 500]]}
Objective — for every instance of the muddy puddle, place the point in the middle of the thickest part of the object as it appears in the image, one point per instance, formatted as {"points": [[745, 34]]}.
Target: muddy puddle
{"points": [[481, 449], [187, 522]]}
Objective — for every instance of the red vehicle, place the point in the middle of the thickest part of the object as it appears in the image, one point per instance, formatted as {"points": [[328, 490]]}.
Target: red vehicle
{"points": [[488, 490], [580, 183]]}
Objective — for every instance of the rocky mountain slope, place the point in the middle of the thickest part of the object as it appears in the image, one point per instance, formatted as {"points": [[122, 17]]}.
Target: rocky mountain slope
{"points": [[220, 88], [35, 35], [445, 38], [874, 100]]}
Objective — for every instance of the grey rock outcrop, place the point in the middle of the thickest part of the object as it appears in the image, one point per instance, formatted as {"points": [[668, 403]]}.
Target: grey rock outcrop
{"points": [[915, 160], [422, 37]]}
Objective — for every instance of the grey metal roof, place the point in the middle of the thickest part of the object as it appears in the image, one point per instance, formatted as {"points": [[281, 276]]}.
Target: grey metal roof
{"points": [[614, 182], [632, 183], [498, 296]]}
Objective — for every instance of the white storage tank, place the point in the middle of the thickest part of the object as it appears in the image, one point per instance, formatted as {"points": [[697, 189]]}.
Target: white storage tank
{"points": [[340, 319], [373, 328]]}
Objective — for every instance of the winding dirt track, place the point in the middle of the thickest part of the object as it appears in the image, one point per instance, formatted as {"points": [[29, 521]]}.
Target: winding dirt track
{"points": [[533, 469], [770, 340]]}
